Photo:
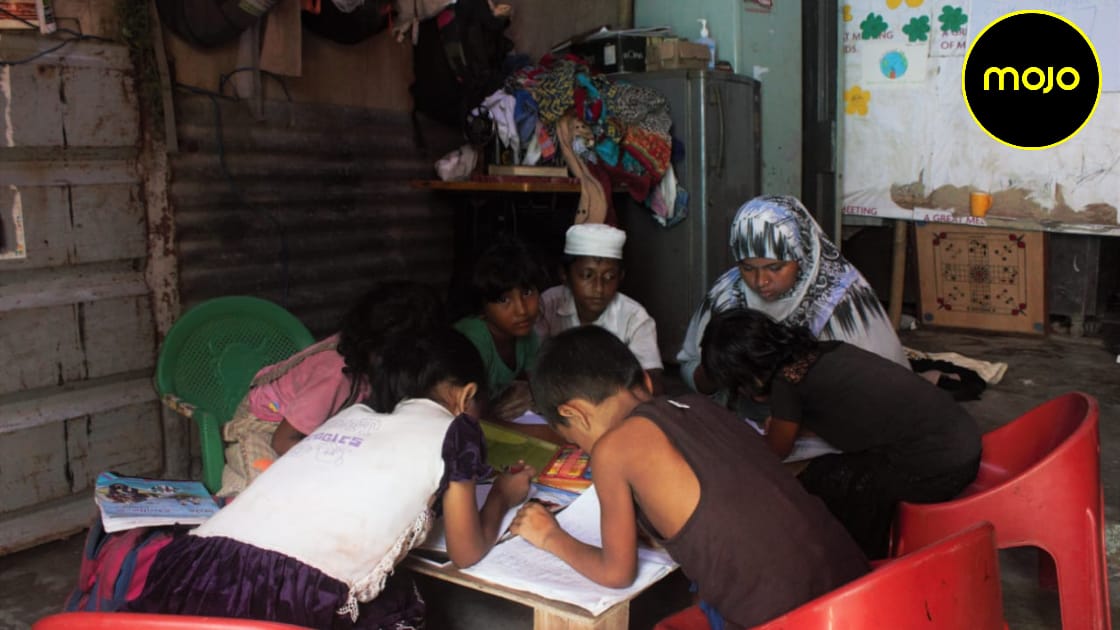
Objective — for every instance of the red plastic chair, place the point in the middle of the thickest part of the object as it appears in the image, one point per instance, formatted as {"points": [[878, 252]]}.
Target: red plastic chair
{"points": [[130, 621], [950, 585], [691, 618], [1040, 485]]}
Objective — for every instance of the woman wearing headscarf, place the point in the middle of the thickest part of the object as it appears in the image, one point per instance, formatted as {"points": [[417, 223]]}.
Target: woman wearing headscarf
{"points": [[789, 270]]}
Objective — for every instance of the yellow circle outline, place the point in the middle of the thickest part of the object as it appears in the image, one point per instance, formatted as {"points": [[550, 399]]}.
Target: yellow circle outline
{"points": [[1096, 57]]}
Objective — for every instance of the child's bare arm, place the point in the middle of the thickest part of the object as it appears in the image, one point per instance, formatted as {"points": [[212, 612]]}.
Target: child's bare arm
{"points": [[470, 532], [780, 435], [704, 385], [615, 563], [285, 437]]}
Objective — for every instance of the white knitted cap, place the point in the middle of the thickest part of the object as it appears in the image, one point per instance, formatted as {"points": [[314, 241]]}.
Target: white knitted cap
{"points": [[594, 239]]}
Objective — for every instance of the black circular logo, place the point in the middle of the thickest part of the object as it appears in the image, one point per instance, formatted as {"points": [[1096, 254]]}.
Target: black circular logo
{"points": [[1031, 79]]}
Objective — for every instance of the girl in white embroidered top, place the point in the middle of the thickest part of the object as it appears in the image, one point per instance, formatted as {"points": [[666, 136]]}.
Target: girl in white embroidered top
{"points": [[314, 540]]}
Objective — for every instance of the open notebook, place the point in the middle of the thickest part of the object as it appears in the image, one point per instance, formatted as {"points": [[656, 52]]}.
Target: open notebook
{"points": [[519, 565], [434, 547]]}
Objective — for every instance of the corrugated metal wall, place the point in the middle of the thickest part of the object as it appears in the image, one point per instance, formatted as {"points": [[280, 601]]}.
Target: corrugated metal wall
{"points": [[77, 340], [316, 205]]}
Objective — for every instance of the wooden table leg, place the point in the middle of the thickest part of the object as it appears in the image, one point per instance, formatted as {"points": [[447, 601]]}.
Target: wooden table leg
{"points": [[898, 272], [617, 618]]}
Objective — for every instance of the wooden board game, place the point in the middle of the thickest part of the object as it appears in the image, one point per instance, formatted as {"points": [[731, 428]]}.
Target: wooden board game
{"points": [[985, 278]]}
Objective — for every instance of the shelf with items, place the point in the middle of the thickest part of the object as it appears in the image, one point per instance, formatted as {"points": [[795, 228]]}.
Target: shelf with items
{"points": [[503, 183], [508, 184]]}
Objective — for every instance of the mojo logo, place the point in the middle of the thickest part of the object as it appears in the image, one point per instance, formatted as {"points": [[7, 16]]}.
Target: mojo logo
{"points": [[1045, 80], [1031, 79]]}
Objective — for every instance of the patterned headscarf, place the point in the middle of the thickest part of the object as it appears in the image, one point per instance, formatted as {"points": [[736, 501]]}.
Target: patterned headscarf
{"points": [[827, 286]]}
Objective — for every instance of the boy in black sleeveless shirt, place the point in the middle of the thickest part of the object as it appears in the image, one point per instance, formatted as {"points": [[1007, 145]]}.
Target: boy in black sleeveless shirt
{"points": [[698, 480]]}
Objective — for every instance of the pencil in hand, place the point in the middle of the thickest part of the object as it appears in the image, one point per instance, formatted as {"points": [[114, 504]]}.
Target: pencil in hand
{"points": [[508, 534]]}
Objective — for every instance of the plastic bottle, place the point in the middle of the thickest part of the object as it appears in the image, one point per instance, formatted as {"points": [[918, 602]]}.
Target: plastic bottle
{"points": [[707, 41]]}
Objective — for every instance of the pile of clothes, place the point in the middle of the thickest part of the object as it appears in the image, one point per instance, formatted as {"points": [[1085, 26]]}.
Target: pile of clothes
{"points": [[624, 134]]}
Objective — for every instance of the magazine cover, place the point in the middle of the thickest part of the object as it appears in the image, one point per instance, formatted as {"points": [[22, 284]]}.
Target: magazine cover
{"points": [[128, 502]]}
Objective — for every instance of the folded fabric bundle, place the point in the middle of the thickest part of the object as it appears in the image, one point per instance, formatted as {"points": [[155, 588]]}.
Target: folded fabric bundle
{"points": [[991, 372], [629, 141]]}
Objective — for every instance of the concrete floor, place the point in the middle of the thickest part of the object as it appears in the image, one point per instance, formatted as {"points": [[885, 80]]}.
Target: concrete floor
{"points": [[34, 583]]}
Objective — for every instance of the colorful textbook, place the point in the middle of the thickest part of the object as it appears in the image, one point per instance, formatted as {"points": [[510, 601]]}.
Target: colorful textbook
{"points": [[569, 469], [128, 502]]}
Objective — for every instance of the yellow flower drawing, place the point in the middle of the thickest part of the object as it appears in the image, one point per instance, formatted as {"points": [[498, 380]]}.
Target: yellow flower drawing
{"points": [[856, 100], [893, 4], [914, 4], [847, 13]]}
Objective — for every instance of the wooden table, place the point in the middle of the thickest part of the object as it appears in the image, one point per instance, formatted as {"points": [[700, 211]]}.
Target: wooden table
{"points": [[548, 614]]}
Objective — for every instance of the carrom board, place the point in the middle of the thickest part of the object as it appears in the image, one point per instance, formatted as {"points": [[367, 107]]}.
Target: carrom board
{"points": [[982, 278]]}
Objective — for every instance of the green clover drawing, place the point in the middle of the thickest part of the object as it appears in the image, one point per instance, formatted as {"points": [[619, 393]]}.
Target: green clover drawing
{"points": [[952, 18], [873, 26], [917, 29]]}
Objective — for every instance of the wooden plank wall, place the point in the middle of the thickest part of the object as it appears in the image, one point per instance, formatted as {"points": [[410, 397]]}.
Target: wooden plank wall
{"points": [[77, 332], [76, 329]]}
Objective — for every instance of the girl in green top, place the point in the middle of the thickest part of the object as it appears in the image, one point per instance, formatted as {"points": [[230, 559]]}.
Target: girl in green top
{"points": [[504, 288]]}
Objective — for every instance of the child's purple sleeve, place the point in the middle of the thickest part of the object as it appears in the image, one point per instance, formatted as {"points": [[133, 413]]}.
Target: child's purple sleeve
{"points": [[464, 454]]}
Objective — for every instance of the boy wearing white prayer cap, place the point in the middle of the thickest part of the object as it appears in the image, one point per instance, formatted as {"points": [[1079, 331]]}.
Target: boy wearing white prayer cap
{"points": [[591, 271]]}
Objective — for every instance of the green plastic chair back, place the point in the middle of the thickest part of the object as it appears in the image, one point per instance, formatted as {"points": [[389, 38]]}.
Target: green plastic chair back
{"points": [[211, 355]]}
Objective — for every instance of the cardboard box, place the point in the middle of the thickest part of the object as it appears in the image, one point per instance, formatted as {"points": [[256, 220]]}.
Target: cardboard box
{"points": [[615, 53], [674, 54]]}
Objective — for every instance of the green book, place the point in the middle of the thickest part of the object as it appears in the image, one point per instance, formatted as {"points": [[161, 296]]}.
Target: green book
{"points": [[504, 447]]}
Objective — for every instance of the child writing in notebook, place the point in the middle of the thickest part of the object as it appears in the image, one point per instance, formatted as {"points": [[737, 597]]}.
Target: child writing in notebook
{"points": [[504, 294], [902, 438], [696, 478], [591, 271], [314, 540], [290, 399]]}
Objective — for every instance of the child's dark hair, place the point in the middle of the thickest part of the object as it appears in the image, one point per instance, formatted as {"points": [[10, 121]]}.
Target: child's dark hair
{"points": [[412, 368], [587, 362], [743, 346], [504, 265], [390, 310]]}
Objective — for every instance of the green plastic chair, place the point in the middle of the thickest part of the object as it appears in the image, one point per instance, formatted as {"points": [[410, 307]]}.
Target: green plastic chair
{"points": [[210, 357]]}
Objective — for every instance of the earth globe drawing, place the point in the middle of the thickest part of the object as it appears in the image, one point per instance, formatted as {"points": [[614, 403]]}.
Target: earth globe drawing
{"points": [[893, 64]]}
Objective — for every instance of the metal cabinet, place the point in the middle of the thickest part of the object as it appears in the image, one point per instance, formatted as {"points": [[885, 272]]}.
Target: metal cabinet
{"points": [[716, 116]]}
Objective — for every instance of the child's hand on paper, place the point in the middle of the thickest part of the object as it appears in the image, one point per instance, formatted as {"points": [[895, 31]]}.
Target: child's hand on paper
{"points": [[535, 523], [513, 484]]}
